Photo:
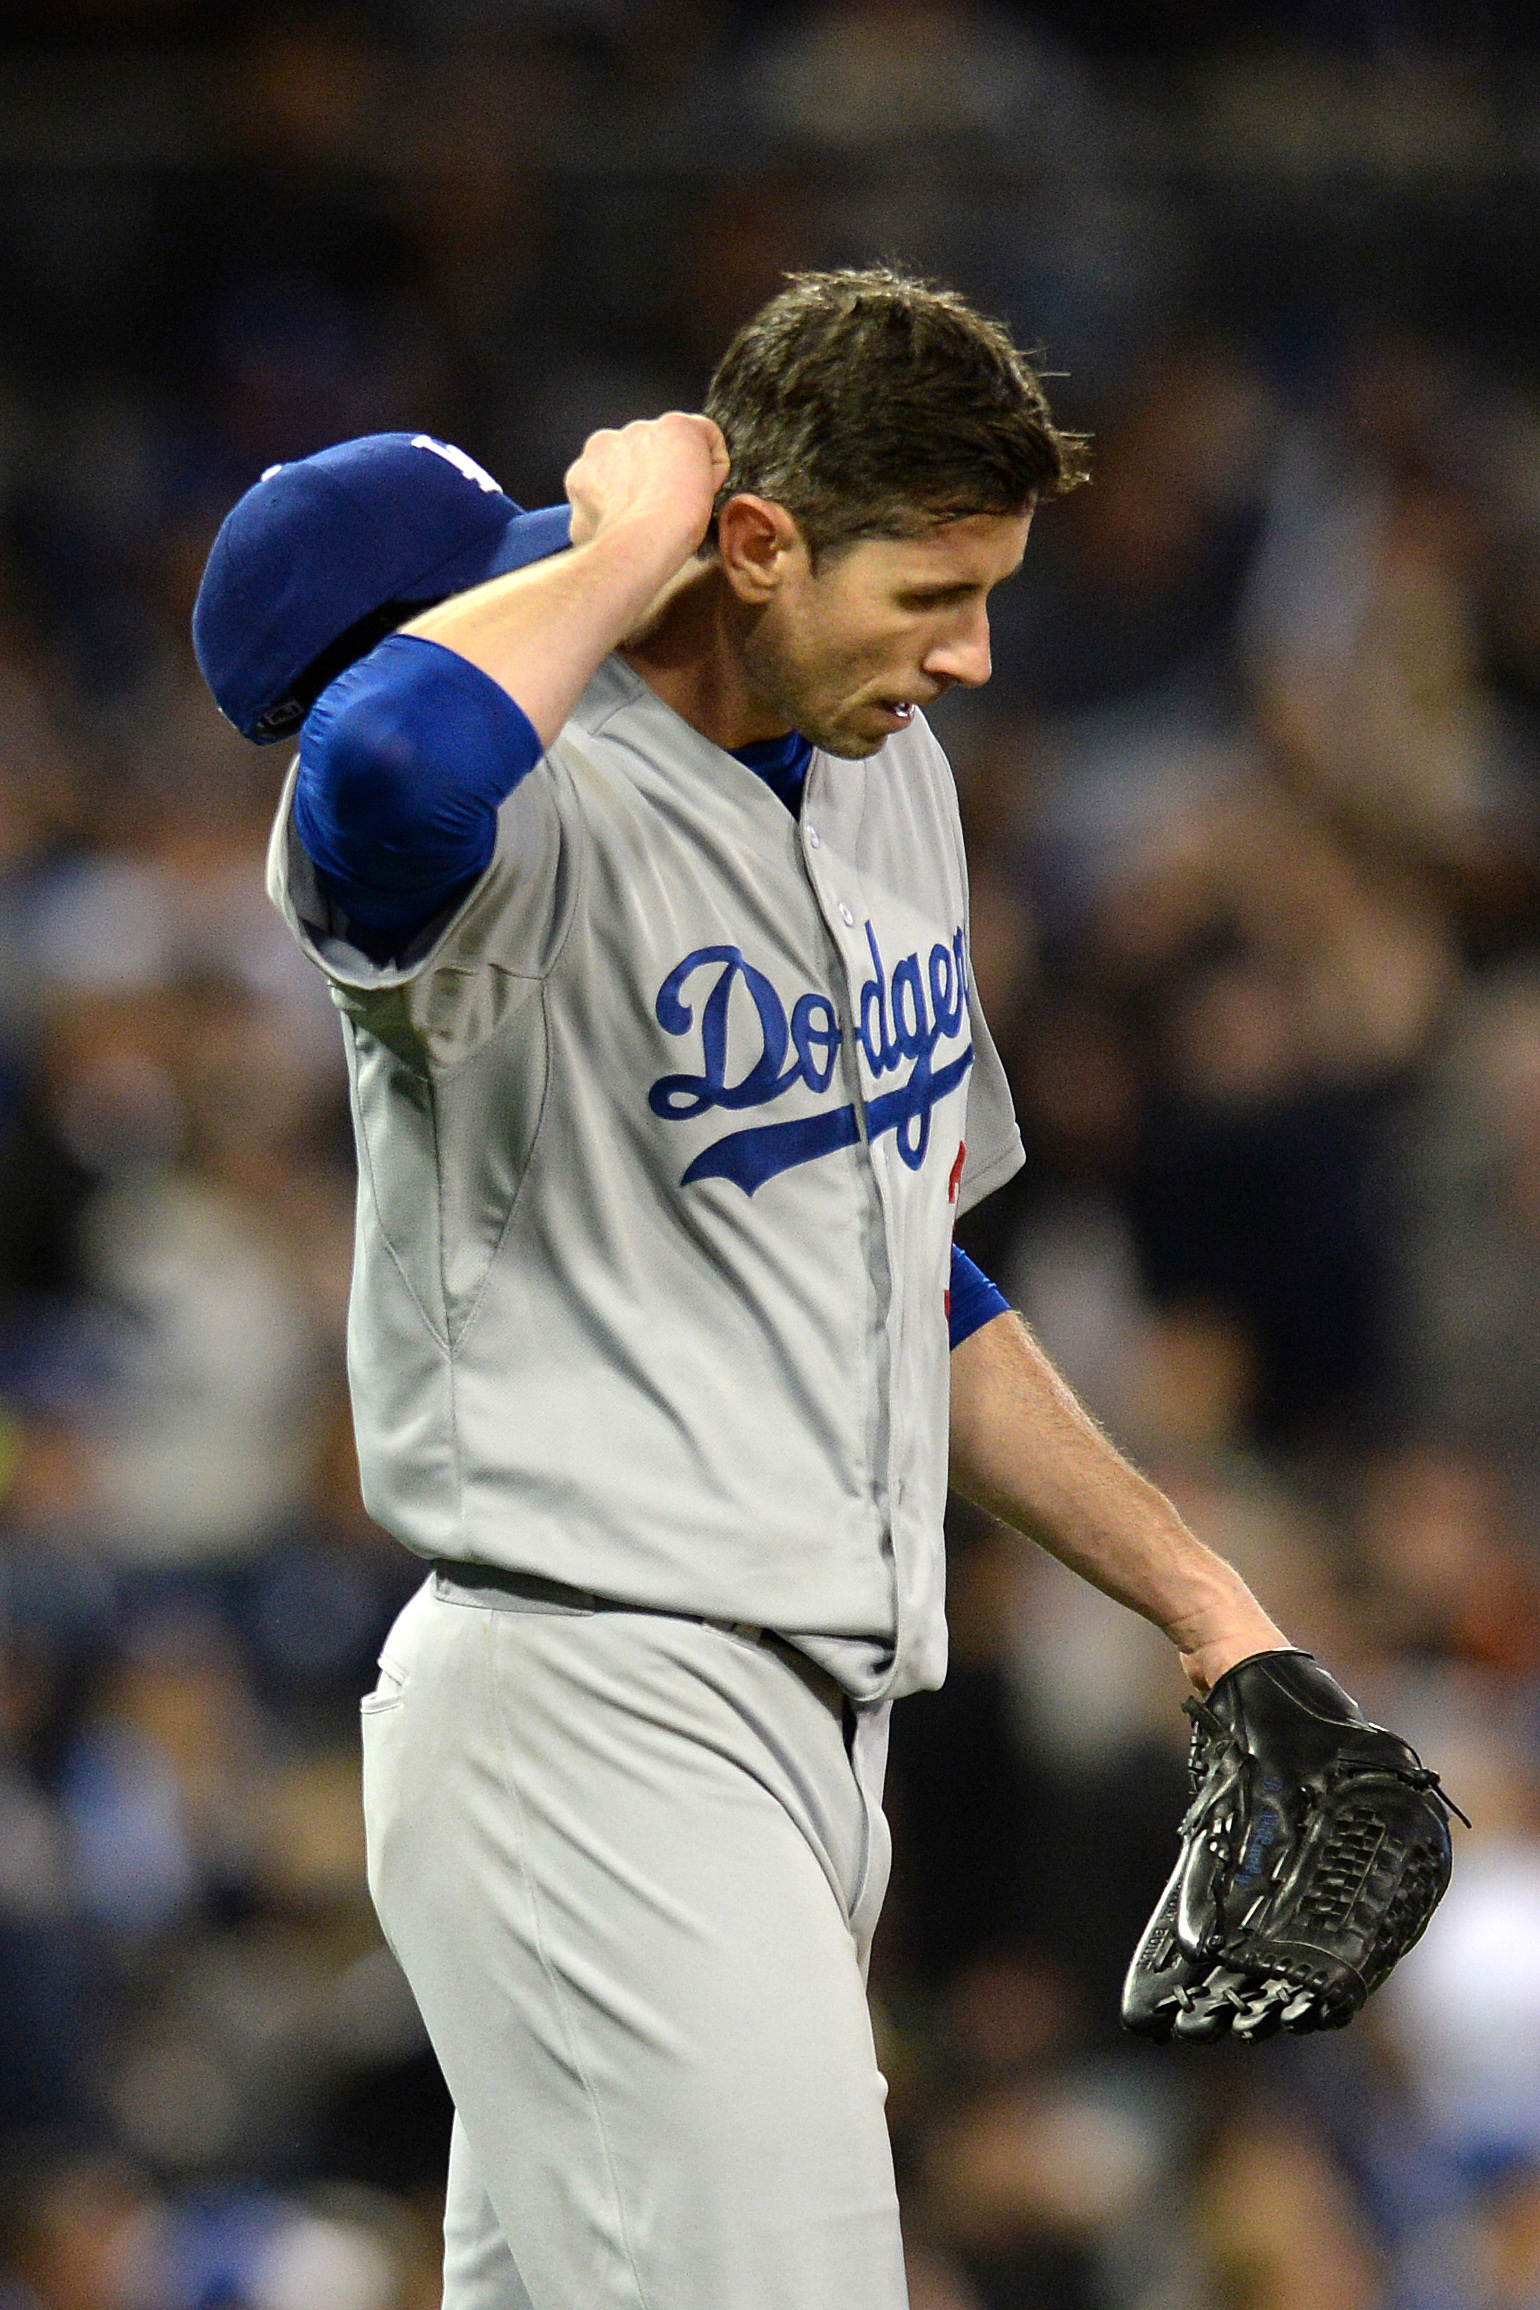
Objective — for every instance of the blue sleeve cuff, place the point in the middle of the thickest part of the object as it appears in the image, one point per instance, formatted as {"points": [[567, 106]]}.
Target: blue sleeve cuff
{"points": [[404, 761], [972, 1300]]}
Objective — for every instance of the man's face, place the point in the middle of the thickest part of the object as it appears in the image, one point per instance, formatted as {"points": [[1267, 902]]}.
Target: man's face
{"points": [[846, 652]]}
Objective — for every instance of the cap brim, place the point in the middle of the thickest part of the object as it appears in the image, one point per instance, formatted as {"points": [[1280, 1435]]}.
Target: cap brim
{"points": [[530, 537]]}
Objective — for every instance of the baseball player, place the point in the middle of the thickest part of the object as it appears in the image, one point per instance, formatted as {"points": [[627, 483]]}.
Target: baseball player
{"points": [[637, 877]]}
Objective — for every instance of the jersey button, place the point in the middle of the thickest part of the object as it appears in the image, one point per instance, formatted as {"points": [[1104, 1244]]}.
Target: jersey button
{"points": [[846, 917], [814, 839]]}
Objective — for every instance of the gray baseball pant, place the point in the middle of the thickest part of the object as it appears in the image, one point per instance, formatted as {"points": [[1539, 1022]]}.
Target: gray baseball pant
{"points": [[631, 1865]]}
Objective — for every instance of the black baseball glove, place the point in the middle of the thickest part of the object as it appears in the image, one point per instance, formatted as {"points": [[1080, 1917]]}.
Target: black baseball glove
{"points": [[1314, 1851]]}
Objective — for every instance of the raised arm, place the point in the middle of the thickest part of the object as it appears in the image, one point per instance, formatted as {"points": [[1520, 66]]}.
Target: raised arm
{"points": [[1026, 1451], [406, 759], [641, 500]]}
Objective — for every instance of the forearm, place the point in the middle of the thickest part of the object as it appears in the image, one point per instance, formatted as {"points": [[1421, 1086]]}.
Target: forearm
{"points": [[641, 502], [543, 631], [1026, 1451]]}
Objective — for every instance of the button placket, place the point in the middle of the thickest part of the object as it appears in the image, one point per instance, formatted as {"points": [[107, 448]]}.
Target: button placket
{"points": [[853, 965]]}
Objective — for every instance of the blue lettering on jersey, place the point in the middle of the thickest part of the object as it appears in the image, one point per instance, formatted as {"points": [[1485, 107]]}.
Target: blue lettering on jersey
{"points": [[903, 1016]]}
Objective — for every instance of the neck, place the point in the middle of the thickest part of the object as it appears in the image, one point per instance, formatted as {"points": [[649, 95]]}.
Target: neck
{"points": [[689, 649]]}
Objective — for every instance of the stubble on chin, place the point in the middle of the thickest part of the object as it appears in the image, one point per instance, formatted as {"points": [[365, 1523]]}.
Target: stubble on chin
{"points": [[843, 746], [831, 734], [843, 737]]}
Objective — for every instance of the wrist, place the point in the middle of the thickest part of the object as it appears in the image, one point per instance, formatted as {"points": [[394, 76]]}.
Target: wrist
{"points": [[649, 542], [1221, 1625], [1206, 1661]]}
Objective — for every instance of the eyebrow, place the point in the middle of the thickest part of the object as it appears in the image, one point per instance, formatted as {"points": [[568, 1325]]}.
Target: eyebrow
{"points": [[936, 592]]}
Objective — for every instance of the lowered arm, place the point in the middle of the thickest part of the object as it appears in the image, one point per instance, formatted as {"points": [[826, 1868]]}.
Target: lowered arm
{"points": [[1026, 1451]]}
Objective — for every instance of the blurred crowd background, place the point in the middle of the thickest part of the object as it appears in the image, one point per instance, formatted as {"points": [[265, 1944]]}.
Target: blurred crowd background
{"points": [[1254, 812]]}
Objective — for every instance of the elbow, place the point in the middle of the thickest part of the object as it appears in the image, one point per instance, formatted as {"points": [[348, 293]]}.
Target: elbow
{"points": [[370, 771]]}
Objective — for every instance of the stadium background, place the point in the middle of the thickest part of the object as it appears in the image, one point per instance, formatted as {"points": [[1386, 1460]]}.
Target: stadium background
{"points": [[1254, 808]]}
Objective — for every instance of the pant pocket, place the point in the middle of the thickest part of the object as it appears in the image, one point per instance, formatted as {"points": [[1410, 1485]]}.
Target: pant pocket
{"points": [[398, 1652], [390, 1691], [384, 1727]]}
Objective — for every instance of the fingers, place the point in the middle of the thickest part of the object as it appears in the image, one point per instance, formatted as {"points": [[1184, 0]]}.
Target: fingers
{"points": [[662, 470]]}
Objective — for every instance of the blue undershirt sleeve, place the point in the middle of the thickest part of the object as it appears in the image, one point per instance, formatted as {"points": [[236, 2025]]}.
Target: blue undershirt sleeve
{"points": [[972, 1300], [403, 762]]}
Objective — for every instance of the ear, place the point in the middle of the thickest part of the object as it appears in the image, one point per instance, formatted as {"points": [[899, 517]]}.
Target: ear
{"points": [[760, 546]]}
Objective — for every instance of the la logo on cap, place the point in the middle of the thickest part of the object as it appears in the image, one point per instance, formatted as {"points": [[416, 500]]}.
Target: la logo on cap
{"points": [[457, 458]]}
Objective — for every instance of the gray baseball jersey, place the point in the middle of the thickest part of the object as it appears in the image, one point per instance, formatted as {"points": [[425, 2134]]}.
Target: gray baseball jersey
{"points": [[661, 1138]]}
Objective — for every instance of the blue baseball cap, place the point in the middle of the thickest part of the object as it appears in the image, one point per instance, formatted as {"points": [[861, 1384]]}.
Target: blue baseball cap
{"points": [[323, 557]]}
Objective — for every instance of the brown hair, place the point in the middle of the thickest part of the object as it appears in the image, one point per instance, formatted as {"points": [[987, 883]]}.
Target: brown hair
{"points": [[872, 405]]}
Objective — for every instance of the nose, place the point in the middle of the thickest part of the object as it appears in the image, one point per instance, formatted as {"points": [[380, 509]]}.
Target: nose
{"points": [[963, 654]]}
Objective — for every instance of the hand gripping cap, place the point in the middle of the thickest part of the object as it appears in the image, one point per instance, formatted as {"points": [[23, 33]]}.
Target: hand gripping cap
{"points": [[325, 555]]}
